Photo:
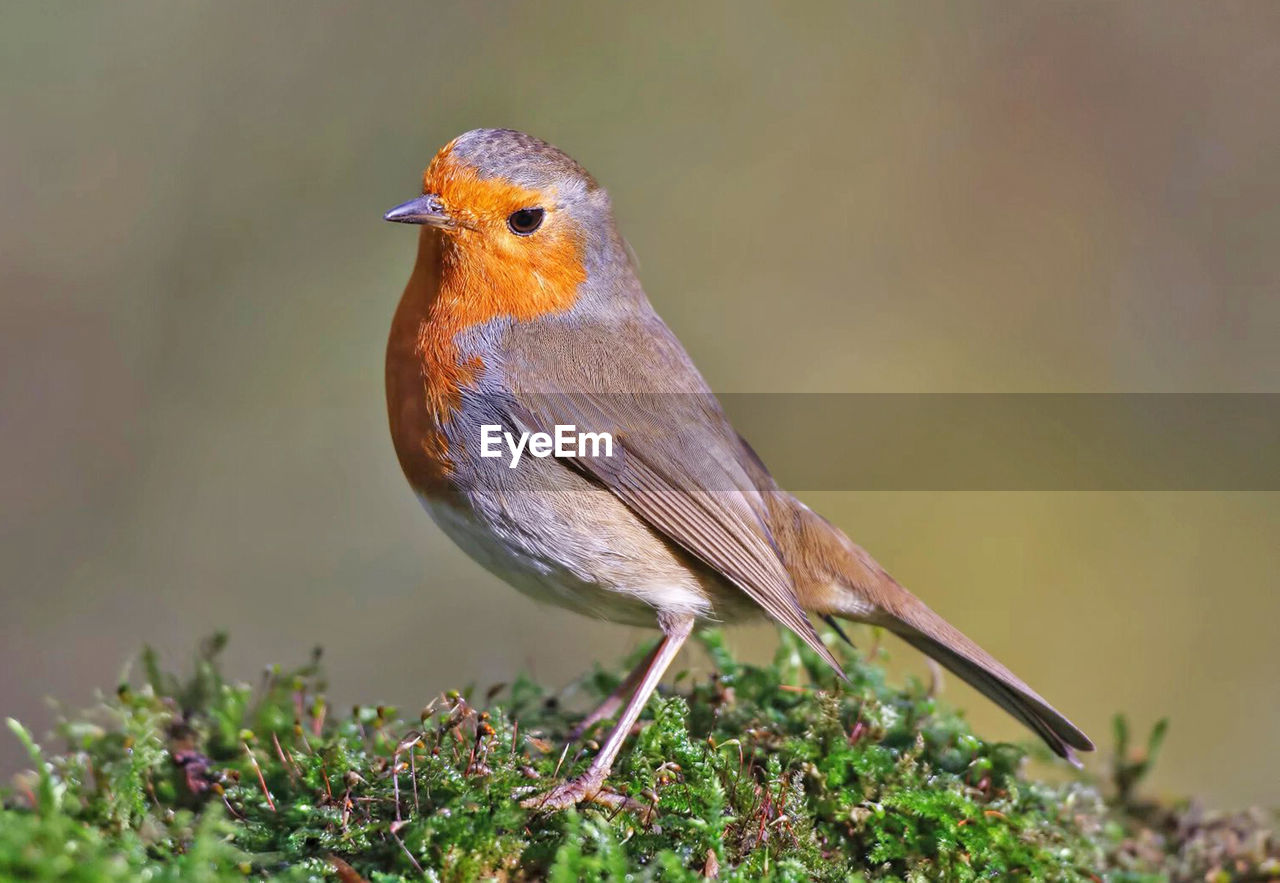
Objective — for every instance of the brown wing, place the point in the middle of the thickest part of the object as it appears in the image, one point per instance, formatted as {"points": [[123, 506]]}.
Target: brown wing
{"points": [[677, 462]]}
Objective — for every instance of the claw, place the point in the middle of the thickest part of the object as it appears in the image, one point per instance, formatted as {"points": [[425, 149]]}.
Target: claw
{"points": [[566, 794], [586, 790]]}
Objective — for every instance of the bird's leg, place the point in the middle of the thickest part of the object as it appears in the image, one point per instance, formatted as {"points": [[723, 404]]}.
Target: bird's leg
{"points": [[587, 786], [613, 702]]}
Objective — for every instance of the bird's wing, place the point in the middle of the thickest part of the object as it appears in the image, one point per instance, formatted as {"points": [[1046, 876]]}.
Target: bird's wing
{"points": [[677, 461]]}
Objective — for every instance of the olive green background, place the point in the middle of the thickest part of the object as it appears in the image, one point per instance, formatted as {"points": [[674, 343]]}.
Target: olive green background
{"points": [[841, 197]]}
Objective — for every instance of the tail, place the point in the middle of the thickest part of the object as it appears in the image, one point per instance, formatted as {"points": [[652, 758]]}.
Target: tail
{"points": [[933, 635], [835, 577]]}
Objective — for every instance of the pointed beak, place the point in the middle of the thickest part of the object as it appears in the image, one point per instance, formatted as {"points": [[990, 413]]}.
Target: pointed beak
{"points": [[426, 209]]}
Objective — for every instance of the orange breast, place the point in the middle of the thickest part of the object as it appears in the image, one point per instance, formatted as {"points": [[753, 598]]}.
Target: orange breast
{"points": [[421, 385], [463, 279]]}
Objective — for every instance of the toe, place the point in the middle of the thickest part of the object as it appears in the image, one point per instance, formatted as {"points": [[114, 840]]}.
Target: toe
{"points": [[563, 796]]}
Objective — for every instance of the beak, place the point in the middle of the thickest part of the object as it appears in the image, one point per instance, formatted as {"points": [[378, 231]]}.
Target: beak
{"points": [[426, 209]]}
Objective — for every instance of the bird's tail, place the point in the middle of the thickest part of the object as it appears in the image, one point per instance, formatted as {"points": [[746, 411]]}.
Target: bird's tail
{"points": [[835, 577], [931, 634]]}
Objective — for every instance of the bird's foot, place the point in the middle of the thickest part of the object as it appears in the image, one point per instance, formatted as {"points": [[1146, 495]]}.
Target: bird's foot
{"points": [[583, 789], [588, 788]]}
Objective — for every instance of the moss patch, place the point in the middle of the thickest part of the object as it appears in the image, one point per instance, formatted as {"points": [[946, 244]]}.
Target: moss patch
{"points": [[756, 773]]}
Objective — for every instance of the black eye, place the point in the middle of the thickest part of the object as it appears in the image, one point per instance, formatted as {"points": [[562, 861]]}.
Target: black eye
{"points": [[525, 221]]}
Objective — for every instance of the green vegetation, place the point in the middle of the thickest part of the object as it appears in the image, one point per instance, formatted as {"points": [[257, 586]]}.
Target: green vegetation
{"points": [[774, 773]]}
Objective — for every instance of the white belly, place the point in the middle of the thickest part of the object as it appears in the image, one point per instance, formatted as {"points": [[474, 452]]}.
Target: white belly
{"points": [[566, 549]]}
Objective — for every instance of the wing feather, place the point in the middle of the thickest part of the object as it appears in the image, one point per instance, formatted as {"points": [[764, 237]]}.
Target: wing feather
{"points": [[678, 465]]}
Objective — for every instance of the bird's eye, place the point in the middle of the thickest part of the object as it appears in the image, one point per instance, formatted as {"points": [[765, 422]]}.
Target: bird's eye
{"points": [[525, 221]]}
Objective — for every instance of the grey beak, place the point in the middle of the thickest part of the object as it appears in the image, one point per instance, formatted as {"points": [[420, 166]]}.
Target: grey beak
{"points": [[426, 209]]}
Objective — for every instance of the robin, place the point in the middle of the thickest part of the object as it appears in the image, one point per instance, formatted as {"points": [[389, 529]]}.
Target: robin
{"points": [[523, 321]]}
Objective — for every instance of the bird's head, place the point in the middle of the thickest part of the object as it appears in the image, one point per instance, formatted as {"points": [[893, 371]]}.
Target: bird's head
{"points": [[521, 220]]}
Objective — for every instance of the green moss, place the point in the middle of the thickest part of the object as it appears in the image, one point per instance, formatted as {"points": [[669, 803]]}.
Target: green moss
{"points": [[774, 773]]}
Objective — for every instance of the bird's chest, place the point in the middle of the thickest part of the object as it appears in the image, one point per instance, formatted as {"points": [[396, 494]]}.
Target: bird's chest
{"points": [[419, 404], [430, 370]]}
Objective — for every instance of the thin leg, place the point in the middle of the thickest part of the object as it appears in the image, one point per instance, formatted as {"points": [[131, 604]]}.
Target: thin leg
{"points": [[588, 785], [613, 702]]}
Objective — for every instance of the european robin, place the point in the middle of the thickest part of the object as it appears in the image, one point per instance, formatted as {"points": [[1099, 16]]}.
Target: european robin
{"points": [[524, 316]]}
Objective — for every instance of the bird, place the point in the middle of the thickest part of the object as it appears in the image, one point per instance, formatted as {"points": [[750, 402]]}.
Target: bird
{"points": [[523, 315]]}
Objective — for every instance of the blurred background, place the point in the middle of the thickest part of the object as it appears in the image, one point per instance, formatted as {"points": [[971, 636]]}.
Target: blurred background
{"points": [[845, 197]]}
